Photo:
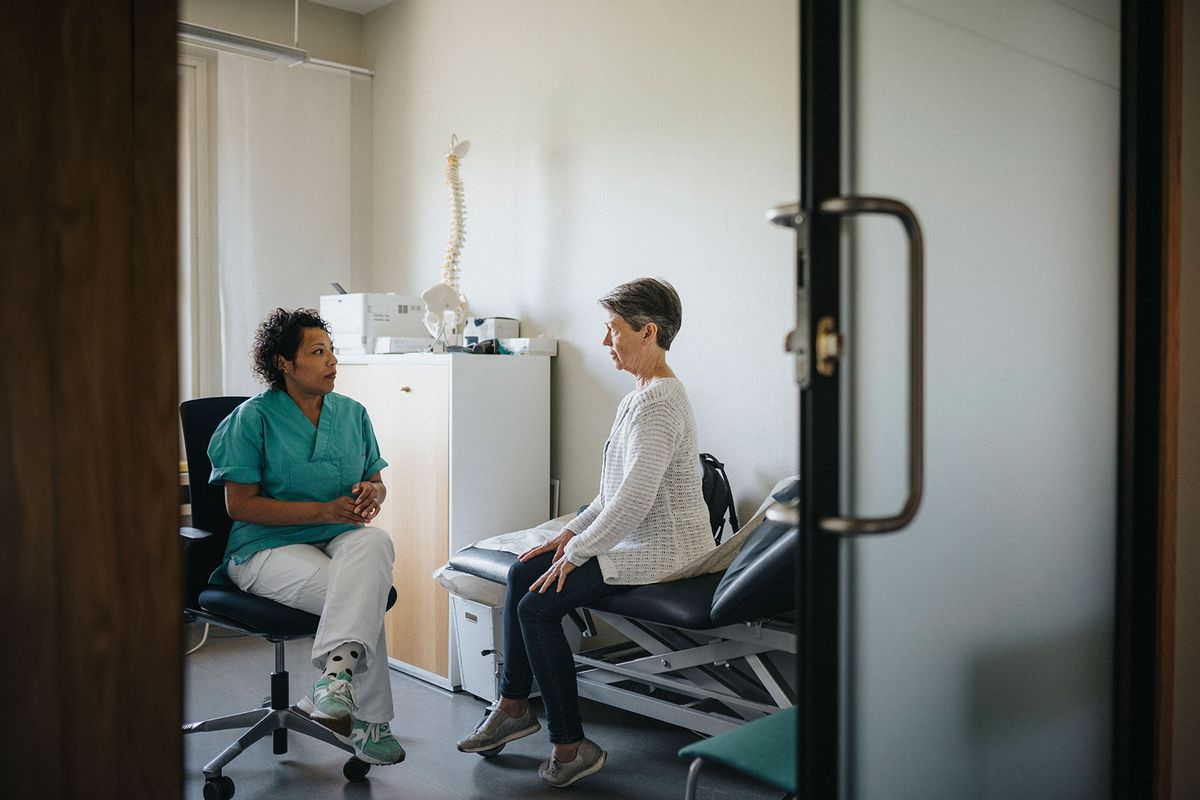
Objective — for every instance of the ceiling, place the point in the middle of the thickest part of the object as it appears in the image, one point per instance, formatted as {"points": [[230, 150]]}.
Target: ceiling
{"points": [[359, 6]]}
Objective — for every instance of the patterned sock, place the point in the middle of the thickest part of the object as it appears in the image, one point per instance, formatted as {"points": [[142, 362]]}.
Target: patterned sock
{"points": [[344, 657]]}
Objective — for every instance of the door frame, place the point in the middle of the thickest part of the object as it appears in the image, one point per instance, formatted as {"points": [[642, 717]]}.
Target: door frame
{"points": [[818, 564], [1147, 443], [1149, 205]]}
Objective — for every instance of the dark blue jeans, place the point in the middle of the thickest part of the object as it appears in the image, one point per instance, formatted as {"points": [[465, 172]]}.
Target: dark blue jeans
{"points": [[536, 646]]}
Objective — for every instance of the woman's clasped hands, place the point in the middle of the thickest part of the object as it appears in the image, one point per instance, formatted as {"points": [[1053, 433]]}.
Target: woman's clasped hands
{"points": [[360, 509]]}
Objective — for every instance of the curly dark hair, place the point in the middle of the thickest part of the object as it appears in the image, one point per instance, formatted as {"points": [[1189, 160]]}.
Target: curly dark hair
{"points": [[281, 334]]}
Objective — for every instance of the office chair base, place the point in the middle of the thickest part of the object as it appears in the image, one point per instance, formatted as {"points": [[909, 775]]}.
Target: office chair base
{"points": [[263, 722], [218, 789]]}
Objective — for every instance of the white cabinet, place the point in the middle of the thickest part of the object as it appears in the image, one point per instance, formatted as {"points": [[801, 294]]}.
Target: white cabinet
{"points": [[467, 441]]}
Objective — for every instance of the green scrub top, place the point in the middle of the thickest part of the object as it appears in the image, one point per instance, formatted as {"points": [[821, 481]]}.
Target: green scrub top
{"points": [[267, 440]]}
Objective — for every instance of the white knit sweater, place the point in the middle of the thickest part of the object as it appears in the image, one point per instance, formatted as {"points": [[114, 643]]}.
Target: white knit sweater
{"points": [[649, 519]]}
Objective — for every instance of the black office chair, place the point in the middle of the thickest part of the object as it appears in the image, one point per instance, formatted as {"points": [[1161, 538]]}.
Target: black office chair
{"points": [[230, 607]]}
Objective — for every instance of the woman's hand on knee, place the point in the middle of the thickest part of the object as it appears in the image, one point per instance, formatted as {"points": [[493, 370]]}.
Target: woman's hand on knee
{"points": [[557, 573], [556, 545]]}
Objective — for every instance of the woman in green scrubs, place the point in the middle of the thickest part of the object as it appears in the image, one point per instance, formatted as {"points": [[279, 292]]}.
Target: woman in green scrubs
{"points": [[301, 470]]}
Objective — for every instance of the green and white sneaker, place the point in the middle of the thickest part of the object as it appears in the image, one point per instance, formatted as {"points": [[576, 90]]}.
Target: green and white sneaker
{"points": [[373, 743], [333, 701]]}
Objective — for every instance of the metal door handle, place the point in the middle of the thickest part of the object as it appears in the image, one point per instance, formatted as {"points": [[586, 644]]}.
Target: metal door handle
{"points": [[846, 206], [791, 215]]}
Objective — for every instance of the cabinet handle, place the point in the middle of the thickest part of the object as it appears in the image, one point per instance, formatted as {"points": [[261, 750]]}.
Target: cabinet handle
{"points": [[406, 388]]}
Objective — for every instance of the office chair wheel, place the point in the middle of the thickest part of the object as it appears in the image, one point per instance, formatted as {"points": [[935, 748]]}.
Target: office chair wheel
{"points": [[220, 788], [355, 770], [495, 751]]}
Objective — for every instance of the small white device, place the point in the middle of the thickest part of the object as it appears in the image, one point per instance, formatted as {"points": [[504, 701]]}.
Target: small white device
{"points": [[357, 320], [480, 329], [402, 344]]}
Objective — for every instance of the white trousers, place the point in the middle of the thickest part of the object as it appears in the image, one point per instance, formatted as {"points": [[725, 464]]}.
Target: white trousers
{"points": [[346, 581]]}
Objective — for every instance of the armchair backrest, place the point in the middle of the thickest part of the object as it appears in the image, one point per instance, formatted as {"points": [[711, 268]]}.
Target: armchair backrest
{"points": [[200, 419]]}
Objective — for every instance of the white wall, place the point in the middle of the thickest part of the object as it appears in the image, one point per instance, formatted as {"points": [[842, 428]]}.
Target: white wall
{"points": [[609, 141], [1187, 599]]}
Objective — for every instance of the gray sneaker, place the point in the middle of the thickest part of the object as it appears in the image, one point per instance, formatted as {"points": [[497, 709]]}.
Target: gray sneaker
{"points": [[499, 728], [588, 761]]}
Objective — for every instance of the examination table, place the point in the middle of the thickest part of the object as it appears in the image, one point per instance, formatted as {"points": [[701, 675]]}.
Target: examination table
{"points": [[707, 653]]}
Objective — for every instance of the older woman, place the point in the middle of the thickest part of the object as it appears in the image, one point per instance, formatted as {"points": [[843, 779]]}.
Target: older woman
{"points": [[301, 469], [648, 520]]}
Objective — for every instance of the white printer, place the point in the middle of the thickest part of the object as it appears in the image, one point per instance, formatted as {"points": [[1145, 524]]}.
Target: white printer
{"points": [[357, 320]]}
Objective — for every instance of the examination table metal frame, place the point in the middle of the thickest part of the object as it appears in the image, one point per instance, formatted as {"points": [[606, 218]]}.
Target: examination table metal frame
{"points": [[707, 653]]}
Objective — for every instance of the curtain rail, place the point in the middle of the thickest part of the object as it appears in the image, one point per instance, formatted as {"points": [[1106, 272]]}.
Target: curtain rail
{"points": [[203, 36]]}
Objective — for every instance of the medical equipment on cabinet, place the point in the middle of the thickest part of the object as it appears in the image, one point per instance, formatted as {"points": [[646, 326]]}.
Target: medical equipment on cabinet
{"points": [[357, 320]]}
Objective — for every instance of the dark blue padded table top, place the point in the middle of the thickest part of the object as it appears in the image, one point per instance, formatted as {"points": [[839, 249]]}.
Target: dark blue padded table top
{"points": [[683, 604], [491, 565], [757, 585]]}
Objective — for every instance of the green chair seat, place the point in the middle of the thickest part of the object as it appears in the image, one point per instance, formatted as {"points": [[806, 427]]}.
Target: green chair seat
{"points": [[764, 749]]}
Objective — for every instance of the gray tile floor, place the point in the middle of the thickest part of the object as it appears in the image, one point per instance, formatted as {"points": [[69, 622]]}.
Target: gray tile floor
{"points": [[231, 674]]}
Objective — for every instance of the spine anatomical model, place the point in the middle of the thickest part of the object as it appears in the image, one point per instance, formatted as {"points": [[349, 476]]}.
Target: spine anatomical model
{"points": [[458, 216], [445, 304]]}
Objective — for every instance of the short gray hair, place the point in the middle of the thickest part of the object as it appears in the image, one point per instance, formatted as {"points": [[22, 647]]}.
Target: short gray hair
{"points": [[647, 300]]}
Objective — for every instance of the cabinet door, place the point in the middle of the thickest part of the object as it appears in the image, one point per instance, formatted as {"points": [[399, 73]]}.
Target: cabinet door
{"points": [[409, 407]]}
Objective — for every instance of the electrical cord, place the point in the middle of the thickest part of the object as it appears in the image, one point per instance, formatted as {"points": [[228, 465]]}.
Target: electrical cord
{"points": [[203, 639], [214, 636]]}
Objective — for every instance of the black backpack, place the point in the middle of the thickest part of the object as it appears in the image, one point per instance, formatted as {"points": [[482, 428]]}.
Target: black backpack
{"points": [[717, 496]]}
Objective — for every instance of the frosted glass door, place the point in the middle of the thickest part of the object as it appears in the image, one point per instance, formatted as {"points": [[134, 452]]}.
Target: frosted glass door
{"points": [[978, 640]]}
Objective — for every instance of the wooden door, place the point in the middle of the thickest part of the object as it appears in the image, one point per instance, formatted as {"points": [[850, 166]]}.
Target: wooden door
{"points": [[88, 449]]}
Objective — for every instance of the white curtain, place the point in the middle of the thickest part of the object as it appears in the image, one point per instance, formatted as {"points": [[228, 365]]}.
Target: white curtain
{"points": [[284, 196]]}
